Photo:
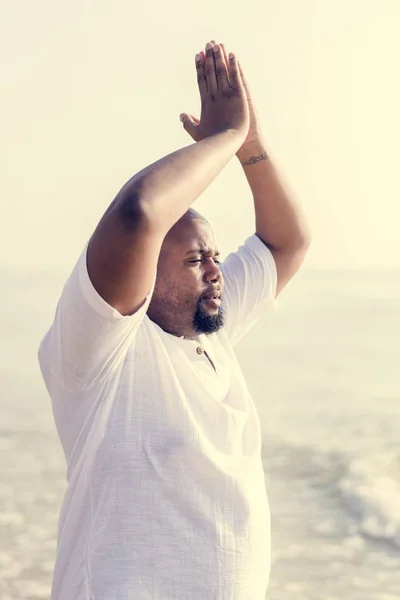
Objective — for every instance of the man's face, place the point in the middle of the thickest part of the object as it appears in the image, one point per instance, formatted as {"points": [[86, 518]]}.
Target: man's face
{"points": [[188, 276]]}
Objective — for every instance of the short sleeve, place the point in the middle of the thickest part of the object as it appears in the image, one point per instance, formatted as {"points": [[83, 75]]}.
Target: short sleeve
{"points": [[250, 283], [88, 338]]}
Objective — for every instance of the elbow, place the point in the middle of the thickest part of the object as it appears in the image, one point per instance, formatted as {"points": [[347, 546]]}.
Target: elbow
{"points": [[303, 238], [130, 206], [133, 210], [301, 247]]}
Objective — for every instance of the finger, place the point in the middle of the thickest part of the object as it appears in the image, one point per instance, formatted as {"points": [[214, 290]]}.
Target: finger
{"points": [[201, 77], [220, 69], [190, 124], [236, 81], [246, 87], [209, 70], [225, 57]]}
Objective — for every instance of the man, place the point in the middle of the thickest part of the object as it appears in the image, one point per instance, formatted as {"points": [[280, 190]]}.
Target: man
{"points": [[166, 496]]}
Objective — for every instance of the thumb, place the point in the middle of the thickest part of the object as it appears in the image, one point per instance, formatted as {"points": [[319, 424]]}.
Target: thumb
{"points": [[191, 125]]}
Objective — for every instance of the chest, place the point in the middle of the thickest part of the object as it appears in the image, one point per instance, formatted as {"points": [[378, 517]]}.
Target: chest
{"points": [[185, 392]]}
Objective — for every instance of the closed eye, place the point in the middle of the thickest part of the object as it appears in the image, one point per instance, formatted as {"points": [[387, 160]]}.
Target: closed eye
{"points": [[218, 262]]}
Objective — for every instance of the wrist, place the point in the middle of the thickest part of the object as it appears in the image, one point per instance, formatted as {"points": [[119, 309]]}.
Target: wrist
{"points": [[253, 151]]}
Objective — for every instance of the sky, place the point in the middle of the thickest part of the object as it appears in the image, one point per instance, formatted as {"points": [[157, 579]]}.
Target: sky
{"points": [[91, 93]]}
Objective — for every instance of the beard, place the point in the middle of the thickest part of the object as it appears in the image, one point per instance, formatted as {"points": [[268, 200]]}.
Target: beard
{"points": [[204, 322]]}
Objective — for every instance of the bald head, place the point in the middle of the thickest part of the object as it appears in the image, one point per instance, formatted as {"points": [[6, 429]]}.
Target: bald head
{"points": [[183, 223], [187, 270]]}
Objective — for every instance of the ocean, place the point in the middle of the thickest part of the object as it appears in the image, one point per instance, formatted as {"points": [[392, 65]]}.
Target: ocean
{"points": [[324, 374]]}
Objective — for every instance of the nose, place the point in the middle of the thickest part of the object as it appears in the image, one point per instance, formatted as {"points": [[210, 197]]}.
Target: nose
{"points": [[212, 272]]}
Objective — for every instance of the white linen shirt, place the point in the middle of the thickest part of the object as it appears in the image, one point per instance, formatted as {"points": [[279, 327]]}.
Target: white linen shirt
{"points": [[166, 493]]}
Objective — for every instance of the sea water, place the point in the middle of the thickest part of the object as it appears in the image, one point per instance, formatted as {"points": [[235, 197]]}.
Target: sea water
{"points": [[324, 374]]}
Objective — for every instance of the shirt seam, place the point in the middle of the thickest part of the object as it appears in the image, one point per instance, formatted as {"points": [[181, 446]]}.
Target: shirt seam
{"points": [[260, 252], [87, 574]]}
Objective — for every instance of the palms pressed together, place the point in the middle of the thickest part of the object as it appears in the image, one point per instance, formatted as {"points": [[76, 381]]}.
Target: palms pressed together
{"points": [[254, 133]]}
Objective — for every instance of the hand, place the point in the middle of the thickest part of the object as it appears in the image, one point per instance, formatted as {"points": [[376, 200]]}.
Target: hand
{"points": [[254, 133], [223, 96]]}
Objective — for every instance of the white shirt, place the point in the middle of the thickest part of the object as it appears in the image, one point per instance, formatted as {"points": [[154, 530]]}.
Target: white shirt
{"points": [[166, 494]]}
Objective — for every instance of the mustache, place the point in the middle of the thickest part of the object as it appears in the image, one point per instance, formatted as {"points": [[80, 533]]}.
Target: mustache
{"points": [[214, 292]]}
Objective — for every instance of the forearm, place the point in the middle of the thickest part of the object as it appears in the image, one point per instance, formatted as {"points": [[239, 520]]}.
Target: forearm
{"points": [[280, 221], [167, 188]]}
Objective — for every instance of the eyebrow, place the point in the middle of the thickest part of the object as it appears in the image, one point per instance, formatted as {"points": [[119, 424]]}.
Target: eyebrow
{"points": [[199, 251]]}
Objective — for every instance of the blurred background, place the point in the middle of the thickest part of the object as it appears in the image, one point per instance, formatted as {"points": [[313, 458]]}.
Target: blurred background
{"points": [[91, 93]]}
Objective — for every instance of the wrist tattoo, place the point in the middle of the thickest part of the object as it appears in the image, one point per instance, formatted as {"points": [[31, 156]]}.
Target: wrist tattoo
{"points": [[255, 159]]}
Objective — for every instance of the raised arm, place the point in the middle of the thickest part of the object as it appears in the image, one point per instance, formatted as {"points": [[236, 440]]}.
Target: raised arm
{"points": [[280, 220], [124, 249]]}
